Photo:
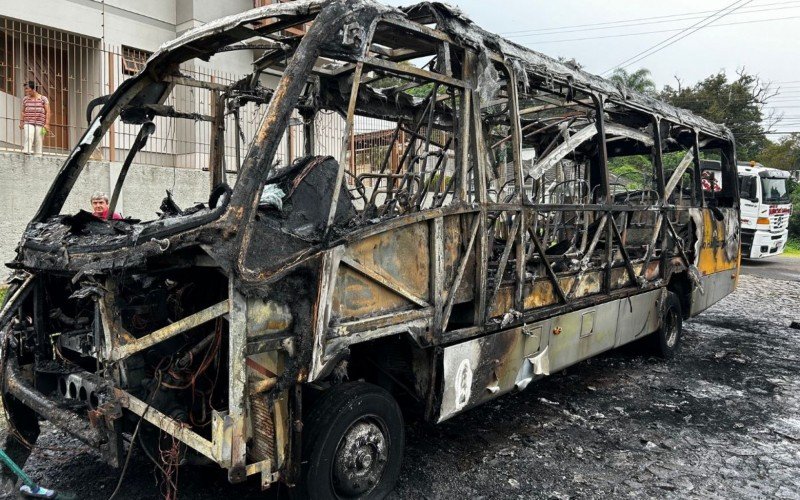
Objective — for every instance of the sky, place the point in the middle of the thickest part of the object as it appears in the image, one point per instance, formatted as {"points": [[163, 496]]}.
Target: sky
{"points": [[761, 36]]}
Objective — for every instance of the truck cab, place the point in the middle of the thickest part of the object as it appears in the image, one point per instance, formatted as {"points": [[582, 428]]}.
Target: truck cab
{"points": [[765, 208]]}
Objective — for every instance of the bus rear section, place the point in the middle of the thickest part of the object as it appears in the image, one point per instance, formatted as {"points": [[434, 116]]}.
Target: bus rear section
{"points": [[765, 208]]}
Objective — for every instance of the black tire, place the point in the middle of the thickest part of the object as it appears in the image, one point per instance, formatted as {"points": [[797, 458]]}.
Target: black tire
{"points": [[352, 444], [666, 342]]}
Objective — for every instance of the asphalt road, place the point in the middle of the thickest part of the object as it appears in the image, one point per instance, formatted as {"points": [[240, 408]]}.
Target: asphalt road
{"points": [[718, 421], [781, 267]]}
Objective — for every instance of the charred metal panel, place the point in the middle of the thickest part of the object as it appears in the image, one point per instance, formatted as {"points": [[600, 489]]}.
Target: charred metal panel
{"points": [[482, 369], [384, 273], [719, 247], [357, 295], [455, 227]]}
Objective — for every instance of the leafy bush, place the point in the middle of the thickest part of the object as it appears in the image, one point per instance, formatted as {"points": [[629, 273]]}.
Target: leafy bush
{"points": [[794, 220]]}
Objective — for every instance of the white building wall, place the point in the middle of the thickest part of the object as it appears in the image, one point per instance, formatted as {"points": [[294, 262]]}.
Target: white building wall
{"points": [[24, 181]]}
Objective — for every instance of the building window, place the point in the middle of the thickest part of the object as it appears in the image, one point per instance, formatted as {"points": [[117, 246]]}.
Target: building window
{"points": [[133, 60], [6, 66]]}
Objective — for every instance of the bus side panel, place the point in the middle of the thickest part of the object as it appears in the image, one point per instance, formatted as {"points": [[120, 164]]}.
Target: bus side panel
{"points": [[719, 244], [714, 288], [639, 315], [581, 334], [481, 369], [718, 259]]}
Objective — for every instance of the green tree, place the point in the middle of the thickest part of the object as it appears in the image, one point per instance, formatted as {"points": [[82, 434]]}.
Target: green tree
{"points": [[784, 154], [640, 80], [738, 104]]}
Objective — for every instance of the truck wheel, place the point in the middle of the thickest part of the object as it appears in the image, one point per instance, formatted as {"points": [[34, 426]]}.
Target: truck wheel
{"points": [[353, 444], [666, 341]]}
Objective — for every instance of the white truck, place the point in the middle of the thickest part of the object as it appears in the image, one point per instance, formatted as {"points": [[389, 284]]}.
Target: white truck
{"points": [[765, 210]]}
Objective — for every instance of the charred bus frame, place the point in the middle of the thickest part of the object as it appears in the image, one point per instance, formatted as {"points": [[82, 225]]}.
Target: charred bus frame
{"points": [[456, 271]]}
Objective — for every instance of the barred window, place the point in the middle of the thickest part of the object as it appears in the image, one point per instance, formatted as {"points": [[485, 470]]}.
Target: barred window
{"points": [[6, 67], [133, 60]]}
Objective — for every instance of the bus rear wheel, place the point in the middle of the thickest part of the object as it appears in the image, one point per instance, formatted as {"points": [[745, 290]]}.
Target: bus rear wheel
{"points": [[667, 340], [353, 444]]}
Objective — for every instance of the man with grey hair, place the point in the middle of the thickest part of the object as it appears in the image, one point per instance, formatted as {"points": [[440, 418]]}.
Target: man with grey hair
{"points": [[100, 206]]}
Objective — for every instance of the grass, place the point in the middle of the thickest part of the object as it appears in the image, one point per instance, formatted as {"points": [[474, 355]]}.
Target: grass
{"points": [[3, 290], [793, 247]]}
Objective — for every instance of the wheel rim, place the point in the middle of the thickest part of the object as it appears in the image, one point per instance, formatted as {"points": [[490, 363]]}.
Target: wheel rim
{"points": [[360, 458], [671, 328]]}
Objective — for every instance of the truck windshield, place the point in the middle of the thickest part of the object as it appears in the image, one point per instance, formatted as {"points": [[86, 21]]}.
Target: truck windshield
{"points": [[774, 190]]}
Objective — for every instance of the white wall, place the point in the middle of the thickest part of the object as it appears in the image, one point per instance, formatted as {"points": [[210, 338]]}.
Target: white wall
{"points": [[65, 15], [141, 24], [10, 134], [24, 181]]}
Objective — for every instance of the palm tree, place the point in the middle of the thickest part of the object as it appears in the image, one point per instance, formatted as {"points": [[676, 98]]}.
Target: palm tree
{"points": [[640, 80]]}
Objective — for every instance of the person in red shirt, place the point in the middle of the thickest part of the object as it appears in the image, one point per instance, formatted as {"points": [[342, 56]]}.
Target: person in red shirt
{"points": [[100, 207], [34, 119]]}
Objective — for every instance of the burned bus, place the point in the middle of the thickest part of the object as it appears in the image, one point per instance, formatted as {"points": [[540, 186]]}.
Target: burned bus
{"points": [[283, 328]]}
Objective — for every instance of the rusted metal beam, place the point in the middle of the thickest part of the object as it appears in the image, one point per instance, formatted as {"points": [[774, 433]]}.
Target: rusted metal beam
{"points": [[19, 294], [237, 384], [653, 240], [191, 82], [179, 430], [217, 153], [451, 293], [501, 267], [548, 268], [437, 276], [351, 110], [67, 420], [563, 149], [379, 326], [624, 252], [123, 351], [588, 256], [678, 243], [421, 29], [386, 281], [685, 163], [393, 67], [170, 112]]}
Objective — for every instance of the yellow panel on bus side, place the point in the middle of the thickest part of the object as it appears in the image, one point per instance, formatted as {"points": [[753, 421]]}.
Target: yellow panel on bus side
{"points": [[719, 244]]}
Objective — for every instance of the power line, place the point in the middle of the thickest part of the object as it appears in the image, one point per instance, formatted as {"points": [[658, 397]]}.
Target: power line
{"points": [[638, 33], [786, 132], [607, 23], [637, 25], [679, 36]]}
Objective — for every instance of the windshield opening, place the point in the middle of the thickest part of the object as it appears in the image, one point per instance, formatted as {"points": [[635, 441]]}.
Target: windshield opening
{"points": [[774, 190], [173, 135]]}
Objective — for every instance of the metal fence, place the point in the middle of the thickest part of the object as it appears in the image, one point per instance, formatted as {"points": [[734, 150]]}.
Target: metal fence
{"points": [[72, 70]]}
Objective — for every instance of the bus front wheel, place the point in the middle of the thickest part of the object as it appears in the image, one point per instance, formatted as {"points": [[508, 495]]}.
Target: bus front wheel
{"points": [[353, 443]]}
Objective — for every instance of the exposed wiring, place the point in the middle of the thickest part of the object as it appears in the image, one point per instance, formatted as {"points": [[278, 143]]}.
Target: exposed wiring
{"points": [[136, 433]]}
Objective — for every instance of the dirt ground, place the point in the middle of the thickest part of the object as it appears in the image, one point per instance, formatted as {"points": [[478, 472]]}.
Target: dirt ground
{"points": [[722, 420]]}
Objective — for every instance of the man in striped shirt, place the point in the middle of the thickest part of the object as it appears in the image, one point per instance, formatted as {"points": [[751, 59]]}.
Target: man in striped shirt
{"points": [[34, 119]]}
